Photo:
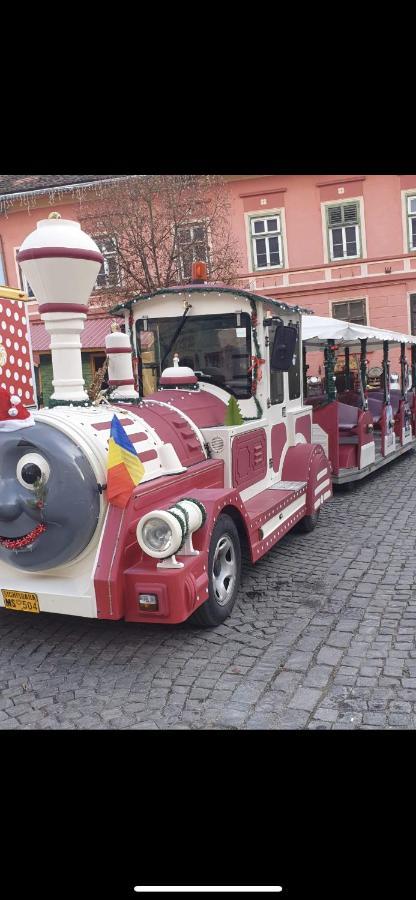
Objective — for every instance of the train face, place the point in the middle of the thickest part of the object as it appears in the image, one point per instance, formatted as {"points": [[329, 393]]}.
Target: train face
{"points": [[49, 498]]}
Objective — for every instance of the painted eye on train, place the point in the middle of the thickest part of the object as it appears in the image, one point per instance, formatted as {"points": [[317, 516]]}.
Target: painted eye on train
{"points": [[31, 468]]}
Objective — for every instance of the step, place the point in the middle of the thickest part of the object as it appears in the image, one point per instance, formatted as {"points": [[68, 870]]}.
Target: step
{"points": [[272, 501]]}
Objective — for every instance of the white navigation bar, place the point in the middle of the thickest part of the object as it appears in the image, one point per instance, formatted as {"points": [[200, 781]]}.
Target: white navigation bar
{"points": [[210, 889]]}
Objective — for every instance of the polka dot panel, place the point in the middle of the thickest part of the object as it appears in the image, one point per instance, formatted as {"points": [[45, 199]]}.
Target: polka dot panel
{"points": [[14, 340]]}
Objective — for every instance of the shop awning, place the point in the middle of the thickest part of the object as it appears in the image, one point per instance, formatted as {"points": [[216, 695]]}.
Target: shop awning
{"points": [[317, 330]]}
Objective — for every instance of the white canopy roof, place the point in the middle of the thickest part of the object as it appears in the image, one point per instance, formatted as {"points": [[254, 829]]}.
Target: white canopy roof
{"points": [[317, 330]]}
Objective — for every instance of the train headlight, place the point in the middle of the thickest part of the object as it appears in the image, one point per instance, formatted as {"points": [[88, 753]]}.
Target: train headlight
{"points": [[159, 534], [163, 532]]}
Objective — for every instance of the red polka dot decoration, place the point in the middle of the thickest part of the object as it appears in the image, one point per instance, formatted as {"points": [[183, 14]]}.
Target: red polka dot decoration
{"points": [[16, 374]]}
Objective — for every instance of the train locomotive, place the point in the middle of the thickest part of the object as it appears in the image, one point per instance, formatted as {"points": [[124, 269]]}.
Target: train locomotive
{"points": [[224, 437]]}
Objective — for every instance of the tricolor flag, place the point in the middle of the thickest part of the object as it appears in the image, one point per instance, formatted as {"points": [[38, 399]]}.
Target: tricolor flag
{"points": [[125, 469]]}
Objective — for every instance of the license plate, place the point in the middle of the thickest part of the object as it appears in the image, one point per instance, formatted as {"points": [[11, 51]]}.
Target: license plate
{"points": [[21, 600]]}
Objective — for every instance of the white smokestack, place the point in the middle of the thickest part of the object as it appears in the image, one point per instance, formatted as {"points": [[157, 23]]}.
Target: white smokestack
{"points": [[120, 366], [61, 264]]}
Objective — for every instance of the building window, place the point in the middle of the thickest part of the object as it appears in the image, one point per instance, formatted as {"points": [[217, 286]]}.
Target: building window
{"points": [[23, 282], [109, 275], [192, 247], [351, 311], [413, 313], [411, 221], [266, 242], [343, 223]]}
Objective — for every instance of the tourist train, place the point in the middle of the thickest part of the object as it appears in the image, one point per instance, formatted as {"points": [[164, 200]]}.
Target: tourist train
{"points": [[233, 454]]}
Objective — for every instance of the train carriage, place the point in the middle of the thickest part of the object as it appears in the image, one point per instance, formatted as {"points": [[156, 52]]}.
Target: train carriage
{"points": [[363, 423]]}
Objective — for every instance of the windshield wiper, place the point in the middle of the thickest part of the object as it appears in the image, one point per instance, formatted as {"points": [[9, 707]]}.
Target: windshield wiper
{"points": [[175, 336]]}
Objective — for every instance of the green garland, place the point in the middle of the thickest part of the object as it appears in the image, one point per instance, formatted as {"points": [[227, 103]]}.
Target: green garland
{"points": [[181, 523], [53, 403], [207, 289], [200, 506]]}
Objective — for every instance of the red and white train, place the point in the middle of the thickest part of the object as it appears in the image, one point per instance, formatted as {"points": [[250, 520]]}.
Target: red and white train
{"points": [[225, 439], [233, 453]]}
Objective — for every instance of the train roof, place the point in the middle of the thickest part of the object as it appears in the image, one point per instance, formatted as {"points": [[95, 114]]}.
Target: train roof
{"points": [[209, 288], [317, 330]]}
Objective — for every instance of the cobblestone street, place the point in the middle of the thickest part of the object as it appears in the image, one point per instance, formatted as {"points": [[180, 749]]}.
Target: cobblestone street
{"points": [[323, 637]]}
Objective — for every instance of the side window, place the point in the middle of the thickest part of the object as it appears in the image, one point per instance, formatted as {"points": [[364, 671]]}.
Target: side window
{"points": [[277, 391], [294, 374]]}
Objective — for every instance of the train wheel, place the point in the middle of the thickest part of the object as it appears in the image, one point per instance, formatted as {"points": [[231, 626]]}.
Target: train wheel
{"points": [[224, 569], [308, 523]]}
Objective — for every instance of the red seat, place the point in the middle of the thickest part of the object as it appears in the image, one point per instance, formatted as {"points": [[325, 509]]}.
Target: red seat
{"points": [[375, 407], [347, 417]]}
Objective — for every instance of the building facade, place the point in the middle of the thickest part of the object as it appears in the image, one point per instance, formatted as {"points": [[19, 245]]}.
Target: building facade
{"points": [[342, 245]]}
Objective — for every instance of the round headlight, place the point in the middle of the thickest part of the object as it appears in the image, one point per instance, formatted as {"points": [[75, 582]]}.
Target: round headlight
{"points": [[157, 535]]}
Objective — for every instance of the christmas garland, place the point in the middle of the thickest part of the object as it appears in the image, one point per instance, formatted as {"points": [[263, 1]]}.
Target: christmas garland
{"points": [[200, 506], [53, 403], [182, 524]]}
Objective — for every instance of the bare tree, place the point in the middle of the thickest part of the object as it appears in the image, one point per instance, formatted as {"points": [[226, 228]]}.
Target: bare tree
{"points": [[156, 225]]}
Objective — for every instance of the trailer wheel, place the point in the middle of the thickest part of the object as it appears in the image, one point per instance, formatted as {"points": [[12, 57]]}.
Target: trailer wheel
{"points": [[308, 523], [224, 569]]}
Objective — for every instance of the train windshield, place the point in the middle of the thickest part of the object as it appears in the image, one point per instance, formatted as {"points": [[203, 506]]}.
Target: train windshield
{"points": [[217, 348]]}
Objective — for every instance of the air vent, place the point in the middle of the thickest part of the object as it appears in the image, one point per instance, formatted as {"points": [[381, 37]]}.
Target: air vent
{"points": [[217, 444]]}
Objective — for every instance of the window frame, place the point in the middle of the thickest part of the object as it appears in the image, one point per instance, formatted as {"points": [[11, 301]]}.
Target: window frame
{"points": [[202, 223], [412, 313], [409, 195], [348, 302], [343, 226], [155, 322], [256, 217], [357, 225], [98, 288]]}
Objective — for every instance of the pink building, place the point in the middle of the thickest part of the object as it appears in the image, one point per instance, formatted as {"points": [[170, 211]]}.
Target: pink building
{"points": [[342, 245]]}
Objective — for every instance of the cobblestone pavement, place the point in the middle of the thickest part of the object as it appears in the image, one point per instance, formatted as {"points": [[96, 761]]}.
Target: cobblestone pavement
{"points": [[323, 637]]}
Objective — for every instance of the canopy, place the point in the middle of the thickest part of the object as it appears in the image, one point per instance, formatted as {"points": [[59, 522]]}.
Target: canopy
{"points": [[317, 330]]}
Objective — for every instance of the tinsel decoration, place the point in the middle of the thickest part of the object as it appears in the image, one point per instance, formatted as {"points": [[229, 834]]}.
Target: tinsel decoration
{"points": [[19, 543]]}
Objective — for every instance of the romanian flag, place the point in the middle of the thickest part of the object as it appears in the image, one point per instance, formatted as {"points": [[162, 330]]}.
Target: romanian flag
{"points": [[125, 469]]}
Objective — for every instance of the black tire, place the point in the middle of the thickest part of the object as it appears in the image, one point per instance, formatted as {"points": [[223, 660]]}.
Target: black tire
{"points": [[309, 523], [213, 612]]}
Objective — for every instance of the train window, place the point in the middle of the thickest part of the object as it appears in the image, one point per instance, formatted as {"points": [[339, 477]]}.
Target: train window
{"points": [[215, 347], [294, 374], [277, 391]]}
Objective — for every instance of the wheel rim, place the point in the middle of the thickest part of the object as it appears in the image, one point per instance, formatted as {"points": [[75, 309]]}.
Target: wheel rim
{"points": [[224, 570]]}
